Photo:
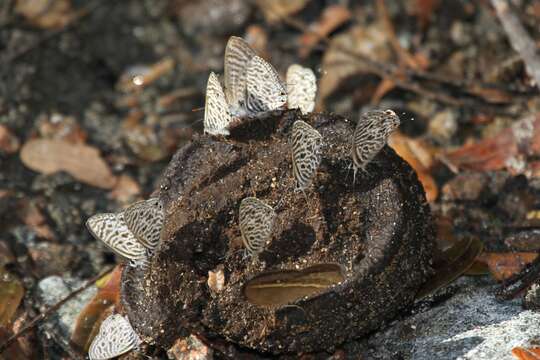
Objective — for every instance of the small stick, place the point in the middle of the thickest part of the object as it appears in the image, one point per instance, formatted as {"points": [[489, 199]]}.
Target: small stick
{"points": [[35, 321], [519, 38]]}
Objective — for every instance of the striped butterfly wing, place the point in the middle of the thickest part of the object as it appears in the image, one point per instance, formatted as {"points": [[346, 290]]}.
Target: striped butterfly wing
{"points": [[237, 57], [371, 134], [145, 220], [264, 89], [216, 110], [306, 153], [256, 220], [301, 88], [115, 337], [113, 231]]}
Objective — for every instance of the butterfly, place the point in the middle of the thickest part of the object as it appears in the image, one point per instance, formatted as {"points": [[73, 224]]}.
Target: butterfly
{"points": [[252, 85], [145, 220], [131, 233], [306, 153], [256, 220], [217, 117], [115, 337], [370, 136], [301, 88], [264, 89], [113, 231], [238, 54]]}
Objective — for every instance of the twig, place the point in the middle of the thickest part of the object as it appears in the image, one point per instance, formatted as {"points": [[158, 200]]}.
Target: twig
{"points": [[35, 321], [392, 72], [519, 38]]}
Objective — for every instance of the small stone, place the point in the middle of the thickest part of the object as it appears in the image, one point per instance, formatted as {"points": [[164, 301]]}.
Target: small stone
{"points": [[53, 289], [190, 348], [465, 186], [443, 126]]}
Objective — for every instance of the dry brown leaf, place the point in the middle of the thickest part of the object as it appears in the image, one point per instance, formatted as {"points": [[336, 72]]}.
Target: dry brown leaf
{"points": [[371, 41], [108, 296], [423, 9], [275, 10], [9, 143], [61, 127], [504, 265], [81, 161], [257, 38], [420, 157], [332, 17], [526, 353], [126, 190], [31, 216], [11, 293], [451, 264], [46, 14], [504, 150]]}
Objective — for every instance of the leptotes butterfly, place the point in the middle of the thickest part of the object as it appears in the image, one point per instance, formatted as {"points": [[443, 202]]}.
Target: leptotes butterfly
{"points": [[264, 89], [216, 110], [115, 337], [370, 136], [256, 220], [145, 220], [237, 57], [113, 231], [306, 153], [301, 88]]}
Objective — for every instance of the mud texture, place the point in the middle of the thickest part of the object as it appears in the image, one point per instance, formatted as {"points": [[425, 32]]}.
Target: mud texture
{"points": [[377, 230]]}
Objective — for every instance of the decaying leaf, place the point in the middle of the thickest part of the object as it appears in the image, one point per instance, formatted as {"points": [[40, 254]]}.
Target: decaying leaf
{"points": [[371, 41], [284, 287], [451, 264], [60, 127], [88, 321], [275, 10], [420, 157], [331, 18], [526, 353], [81, 161], [46, 14], [505, 150], [9, 143], [31, 216], [126, 190], [11, 293], [504, 265]]}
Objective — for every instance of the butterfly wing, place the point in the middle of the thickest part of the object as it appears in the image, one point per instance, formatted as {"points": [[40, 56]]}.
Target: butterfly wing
{"points": [[216, 110], [371, 134], [113, 231], [306, 153], [115, 337], [145, 220], [256, 220], [264, 89], [301, 88], [237, 56]]}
